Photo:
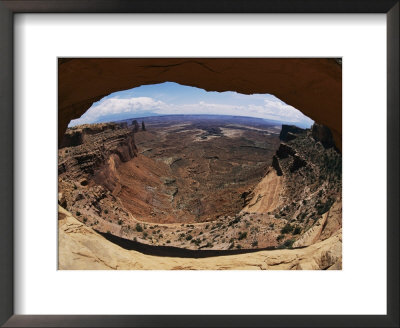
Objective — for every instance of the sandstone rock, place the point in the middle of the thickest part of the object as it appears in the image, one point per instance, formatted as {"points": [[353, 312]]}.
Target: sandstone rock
{"points": [[324, 228], [288, 132], [61, 200], [77, 135], [246, 196], [307, 190], [285, 151], [135, 125], [95, 149], [81, 248], [323, 134], [266, 196], [276, 165], [290, 136], [71, 139], [314, 86]]}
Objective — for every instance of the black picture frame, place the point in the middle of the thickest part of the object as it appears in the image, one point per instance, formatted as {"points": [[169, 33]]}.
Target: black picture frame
{"points": [[10, 7]]}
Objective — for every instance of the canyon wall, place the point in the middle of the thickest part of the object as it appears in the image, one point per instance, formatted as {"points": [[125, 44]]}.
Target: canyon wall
{"points": [[87, 165], [88, 147]]}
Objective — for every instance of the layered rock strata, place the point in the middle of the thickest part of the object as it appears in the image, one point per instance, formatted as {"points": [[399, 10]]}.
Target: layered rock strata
{"points": [[296, 204]]}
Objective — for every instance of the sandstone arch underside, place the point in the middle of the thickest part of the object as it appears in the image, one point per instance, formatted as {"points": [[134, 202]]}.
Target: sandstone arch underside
{"points": [[314, 85]]}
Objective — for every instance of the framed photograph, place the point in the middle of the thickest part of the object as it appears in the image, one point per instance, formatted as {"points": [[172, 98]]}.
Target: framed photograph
{"points": [[196, 164], [200, 180]]}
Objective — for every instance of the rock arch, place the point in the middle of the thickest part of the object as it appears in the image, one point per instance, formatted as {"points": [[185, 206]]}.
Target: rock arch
{"points": [[312, 85]]}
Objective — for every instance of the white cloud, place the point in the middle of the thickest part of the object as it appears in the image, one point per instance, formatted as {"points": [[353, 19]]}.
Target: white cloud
{"points": [[271, 109], [118, 106]]}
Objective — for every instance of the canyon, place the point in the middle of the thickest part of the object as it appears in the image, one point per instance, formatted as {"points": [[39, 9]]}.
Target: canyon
{"points": [[201, 189]]}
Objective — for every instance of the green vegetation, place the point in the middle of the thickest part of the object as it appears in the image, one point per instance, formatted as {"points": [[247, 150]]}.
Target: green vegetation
{"points": [[120, 222], [78, 213], [288, 243], [324, 207], [287, 229], [234, 221], [280, 237], [254, 243], [297, 231], [301, 217], [196, 241], [138, 227], [242, 235]]}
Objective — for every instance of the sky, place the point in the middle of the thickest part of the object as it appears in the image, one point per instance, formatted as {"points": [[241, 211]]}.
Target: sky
{"points": [[171, 98]]}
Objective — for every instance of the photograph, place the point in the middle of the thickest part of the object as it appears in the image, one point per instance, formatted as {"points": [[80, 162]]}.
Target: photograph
{"points": [[199, 164]]}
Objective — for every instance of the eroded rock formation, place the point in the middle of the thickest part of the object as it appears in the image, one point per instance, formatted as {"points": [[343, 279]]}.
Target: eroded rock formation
{"points": [[82, 248], [87, 147], [303, 188], [110, 186], [313, 85], [323, 134], [289, 132], [87, 171]]}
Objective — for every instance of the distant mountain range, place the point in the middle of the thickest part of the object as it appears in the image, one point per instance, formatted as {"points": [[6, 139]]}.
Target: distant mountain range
{"points": [[128, 117]]}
